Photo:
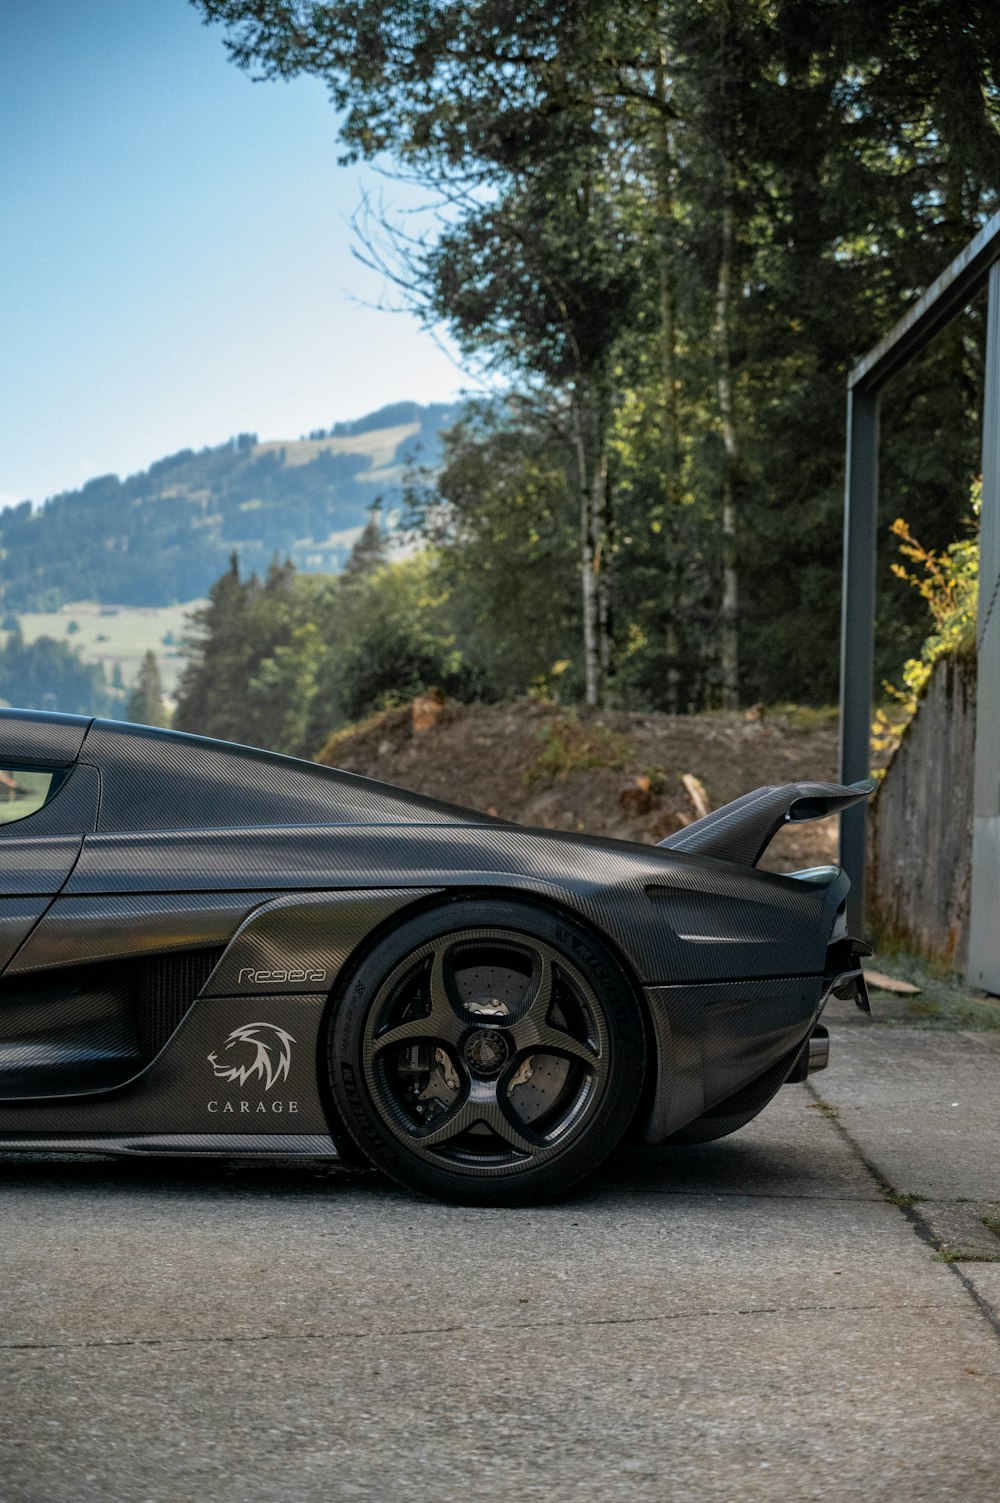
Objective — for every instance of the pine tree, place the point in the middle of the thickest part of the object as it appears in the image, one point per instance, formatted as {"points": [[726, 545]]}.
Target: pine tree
{"points": [[145, 705], [210, 696], [368, 552]]}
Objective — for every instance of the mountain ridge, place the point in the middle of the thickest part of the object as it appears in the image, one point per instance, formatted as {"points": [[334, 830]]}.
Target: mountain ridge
{"points": [[164, 534]]}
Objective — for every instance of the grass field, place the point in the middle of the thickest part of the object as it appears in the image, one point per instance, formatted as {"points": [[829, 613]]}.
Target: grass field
{"points": [[379, 444], [121, 635]]}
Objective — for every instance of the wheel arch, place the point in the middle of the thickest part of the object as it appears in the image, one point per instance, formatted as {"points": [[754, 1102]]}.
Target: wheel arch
{"points": [[526, 897]]}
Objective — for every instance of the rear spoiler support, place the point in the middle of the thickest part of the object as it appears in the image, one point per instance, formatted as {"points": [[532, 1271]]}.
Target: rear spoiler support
{"points": [[742, 831]]}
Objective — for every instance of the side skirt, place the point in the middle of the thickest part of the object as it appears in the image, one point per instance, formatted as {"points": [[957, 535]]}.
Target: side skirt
{"points": [[199, 1145]]}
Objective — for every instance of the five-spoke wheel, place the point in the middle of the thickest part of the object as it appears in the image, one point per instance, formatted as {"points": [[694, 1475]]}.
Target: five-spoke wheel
{"points": [[487, 1051]]}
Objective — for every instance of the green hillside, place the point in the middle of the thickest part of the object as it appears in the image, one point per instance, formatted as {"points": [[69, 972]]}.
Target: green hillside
{"points": [[115, 637], [164, 535]]}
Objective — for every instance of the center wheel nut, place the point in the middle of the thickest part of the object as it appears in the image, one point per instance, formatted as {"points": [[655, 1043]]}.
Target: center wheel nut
{"points": [[486, 1051]]}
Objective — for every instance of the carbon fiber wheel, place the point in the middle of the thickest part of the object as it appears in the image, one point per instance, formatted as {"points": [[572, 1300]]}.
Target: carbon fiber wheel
{"points": [[487, 1052]]}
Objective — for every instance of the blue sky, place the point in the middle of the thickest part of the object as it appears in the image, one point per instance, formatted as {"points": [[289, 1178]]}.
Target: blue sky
{"points": [[175, 251]]}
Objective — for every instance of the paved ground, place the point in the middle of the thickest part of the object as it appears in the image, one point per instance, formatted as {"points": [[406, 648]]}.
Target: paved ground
{"points": [[764, 1318]]}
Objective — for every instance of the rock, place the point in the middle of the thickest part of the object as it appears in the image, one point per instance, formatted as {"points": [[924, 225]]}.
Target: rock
{"points": [[426, 710]]}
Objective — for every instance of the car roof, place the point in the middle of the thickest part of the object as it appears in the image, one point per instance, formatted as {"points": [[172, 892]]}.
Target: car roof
{"points": [[41, 736]]}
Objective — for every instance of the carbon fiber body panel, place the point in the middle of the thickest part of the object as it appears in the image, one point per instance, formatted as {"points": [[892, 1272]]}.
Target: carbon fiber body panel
{"points": [[300, 943], [84, 1027], [713, 1039], [674, 917], [164, 780], [197, 1145], [180, 1091], [75, 930], [742, 830], [18, 916], [66, 1031], [48, 740], [33, 865], [173, 924]]}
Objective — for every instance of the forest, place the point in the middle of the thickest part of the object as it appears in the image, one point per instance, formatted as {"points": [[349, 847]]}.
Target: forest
{"points": [[659, 234], [664, 231]]}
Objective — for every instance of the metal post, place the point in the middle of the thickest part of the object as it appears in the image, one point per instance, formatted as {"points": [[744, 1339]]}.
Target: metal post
{"points": [[857, 635], [984, 918], [977, 263]]}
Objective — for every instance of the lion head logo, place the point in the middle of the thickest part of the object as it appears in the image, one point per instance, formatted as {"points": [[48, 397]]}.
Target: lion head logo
{"points": [[272, 1055]]}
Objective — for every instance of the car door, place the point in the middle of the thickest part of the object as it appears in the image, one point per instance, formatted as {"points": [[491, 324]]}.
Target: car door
{"points": [[95, 981], [46, 811]]}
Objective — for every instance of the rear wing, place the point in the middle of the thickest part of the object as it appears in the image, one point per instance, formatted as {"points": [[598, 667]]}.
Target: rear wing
{"points": [[743, 830]]}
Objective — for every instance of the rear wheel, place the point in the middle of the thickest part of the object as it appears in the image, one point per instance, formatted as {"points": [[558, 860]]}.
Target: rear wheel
{"points": [[487, 1052]]}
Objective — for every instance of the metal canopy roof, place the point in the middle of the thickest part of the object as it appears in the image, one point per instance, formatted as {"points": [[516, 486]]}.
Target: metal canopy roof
{"points": [[946, 297]]}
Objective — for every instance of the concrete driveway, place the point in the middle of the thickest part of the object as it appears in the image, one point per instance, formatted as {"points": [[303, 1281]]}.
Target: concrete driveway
{"points": [[763, 1318]]}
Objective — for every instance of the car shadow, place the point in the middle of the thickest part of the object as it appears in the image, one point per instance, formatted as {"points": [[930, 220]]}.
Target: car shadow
{"points": [[750, 1167]]}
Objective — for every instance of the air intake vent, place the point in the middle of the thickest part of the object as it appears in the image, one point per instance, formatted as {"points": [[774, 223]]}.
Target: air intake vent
{"points": [[166, 986]]}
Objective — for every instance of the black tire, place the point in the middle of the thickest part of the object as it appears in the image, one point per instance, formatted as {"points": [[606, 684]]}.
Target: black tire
{"points": [[736, 1111], [487, 1052]]}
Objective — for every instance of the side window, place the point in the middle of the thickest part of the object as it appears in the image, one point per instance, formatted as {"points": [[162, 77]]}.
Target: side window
{"points": [[25, 790]]}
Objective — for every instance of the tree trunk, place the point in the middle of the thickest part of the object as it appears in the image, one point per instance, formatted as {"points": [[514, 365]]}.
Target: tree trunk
{"points": [[604, 553], [670, 392], [729, 621], [664, 156], [588, 578], [591, 462]]}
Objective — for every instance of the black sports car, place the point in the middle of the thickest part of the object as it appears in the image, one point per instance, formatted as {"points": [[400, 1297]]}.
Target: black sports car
{"points": [[208, 949]]}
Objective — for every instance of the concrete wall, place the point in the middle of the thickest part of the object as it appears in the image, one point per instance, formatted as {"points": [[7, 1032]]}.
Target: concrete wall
{"points": [[920, 845]]}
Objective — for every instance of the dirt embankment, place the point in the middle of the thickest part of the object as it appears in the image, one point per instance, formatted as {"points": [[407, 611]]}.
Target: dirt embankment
{"points": [[635, 776]]}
